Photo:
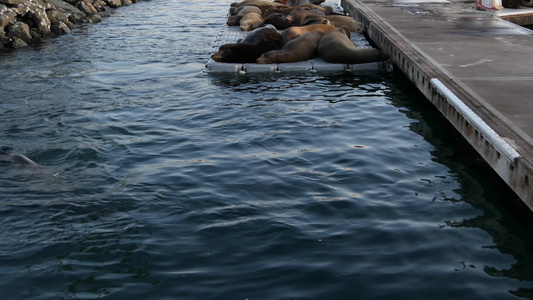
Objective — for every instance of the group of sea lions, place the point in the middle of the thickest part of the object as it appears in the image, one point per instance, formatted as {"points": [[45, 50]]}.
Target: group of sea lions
{"points": [[286, 31]]}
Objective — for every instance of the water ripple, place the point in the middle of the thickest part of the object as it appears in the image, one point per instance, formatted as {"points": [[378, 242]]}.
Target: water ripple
{"points": [[157, 180]]}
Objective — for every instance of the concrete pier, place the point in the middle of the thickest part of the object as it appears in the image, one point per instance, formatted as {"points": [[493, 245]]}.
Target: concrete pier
{"points": [[473, 66]]}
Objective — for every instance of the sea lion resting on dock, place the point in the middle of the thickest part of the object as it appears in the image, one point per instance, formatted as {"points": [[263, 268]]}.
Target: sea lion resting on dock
{"points": [[242, 10], [299, 2], [333, 46], [299, 13], [261, 4], [337, 21], [251, 21], [336, 47], [317, 20], [278, 20], [296, 31], [248, 50], [288, 9], [235, 18], [294, 16], [301, 48]]}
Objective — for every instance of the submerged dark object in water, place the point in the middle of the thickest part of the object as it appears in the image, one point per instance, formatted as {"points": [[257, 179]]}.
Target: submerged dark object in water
{"points": [[7, 154]]}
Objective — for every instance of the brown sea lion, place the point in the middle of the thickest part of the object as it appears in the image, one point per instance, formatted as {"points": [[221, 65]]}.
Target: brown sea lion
{"points": [[296, 31], [261, 4], [301, 48], [242, 10], [257, 3], [313, 20], [336, 47], [282, 19], [234, 20], [275, 10], [299, 13], [248, 50], [347, 21], [251, 21], [278, 20], [288, 10], [300, 2]]}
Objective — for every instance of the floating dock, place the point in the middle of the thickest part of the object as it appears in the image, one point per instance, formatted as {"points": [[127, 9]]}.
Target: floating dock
{"points": [[232, 34], [473, 65]]}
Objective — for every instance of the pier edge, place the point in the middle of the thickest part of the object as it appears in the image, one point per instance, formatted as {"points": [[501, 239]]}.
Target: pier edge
{"points": [[499, 151]]}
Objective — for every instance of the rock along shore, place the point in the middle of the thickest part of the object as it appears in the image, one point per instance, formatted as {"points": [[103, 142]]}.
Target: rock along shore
{"points": [[24, 22]]}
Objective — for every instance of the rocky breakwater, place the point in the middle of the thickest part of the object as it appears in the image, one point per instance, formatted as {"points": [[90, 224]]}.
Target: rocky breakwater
{"points": [[25, 22]]}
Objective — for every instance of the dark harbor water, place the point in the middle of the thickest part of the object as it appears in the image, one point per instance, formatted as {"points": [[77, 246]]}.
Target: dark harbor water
{"points": [[159, 181]]}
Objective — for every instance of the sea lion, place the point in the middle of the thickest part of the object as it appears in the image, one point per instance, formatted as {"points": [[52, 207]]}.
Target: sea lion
{"points": [[242, 10], [336, 47], [234, 20], [299, 13], [238, 13], [278, 20], [261, 4], [296, 31], [275, 10], [256, 3], [300, 2], [251, 21], [347, 21], [301, 48], [248, 50], [313, 20], [7, 154], [288, 9]]}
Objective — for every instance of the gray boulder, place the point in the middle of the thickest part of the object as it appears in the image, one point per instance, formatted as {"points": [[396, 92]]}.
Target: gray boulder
{"points": [[60, 28], [12, 2], [32, 12], [113, 3], [95, 19], [24, 21], [40, 20], [18, 43], [6, 15], [57, 16], [46, 4], [19, 30], [99, 5], [73, 13], [86, 8]]}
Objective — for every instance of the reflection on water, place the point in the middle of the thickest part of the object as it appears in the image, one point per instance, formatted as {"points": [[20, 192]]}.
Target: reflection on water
{"points": [[158, 180]]}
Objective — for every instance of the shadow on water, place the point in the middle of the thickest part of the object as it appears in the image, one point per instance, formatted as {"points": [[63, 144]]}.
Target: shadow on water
{"points": [[505, 217], [59, 220]]}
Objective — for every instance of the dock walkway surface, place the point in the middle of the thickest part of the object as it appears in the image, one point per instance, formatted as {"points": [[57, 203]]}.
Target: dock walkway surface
{"points": [[475, 67]]}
